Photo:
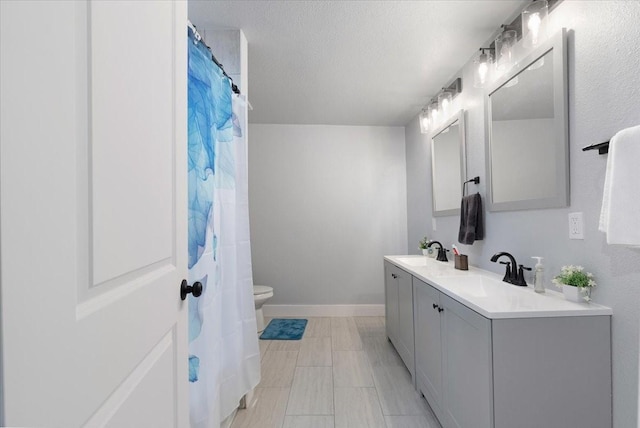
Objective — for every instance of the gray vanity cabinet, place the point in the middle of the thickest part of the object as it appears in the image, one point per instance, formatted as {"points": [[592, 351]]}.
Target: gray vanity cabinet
{"points": [[514, 372], [453, 359], [399, 312], [508, 359]]}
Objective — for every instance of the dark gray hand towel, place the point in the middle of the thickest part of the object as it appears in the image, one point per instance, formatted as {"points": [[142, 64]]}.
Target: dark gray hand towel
{"points": [[471, 228]]}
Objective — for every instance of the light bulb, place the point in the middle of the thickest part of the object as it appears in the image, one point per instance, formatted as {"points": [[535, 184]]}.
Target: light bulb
{"points": [[483, 69], [505, 43], [424, 122], [434, 116], [505, 53], [534, 23], [534, 26], [444, 101]]}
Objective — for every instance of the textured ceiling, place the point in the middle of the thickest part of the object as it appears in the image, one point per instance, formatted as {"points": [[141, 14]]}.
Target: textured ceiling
{"points": [[352, 62]]}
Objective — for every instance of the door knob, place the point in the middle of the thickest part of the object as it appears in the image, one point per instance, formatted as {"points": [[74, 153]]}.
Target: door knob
{"points": [[185, 288]]}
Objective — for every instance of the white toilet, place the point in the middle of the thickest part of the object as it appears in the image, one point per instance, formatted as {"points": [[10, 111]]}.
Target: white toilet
{"points": [[261, 293]]}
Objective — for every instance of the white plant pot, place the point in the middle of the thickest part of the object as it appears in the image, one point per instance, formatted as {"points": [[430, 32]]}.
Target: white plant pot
{"points": [[573, 294], [425, 252]]}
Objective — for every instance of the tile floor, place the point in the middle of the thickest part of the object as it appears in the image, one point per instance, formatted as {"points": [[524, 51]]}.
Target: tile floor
{"points": [[343, 373]]}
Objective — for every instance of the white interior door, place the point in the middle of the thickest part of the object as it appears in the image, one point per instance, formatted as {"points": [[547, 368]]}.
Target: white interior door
{"points": [[93, 213]]}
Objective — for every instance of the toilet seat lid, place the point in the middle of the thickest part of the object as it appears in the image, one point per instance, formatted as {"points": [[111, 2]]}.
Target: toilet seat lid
{"points": [[261, 289]]}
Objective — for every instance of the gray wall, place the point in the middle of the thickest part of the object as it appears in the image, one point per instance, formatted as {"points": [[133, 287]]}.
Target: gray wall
{"points": [[326, 203], [604, 97]]}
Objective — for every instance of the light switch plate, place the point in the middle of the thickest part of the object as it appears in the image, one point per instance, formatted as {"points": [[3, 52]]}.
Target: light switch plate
{"points": [[576, 227], [433, 223]]}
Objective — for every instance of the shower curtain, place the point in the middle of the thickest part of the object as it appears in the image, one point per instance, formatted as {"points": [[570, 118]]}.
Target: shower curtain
{"points": [[224, 359]]}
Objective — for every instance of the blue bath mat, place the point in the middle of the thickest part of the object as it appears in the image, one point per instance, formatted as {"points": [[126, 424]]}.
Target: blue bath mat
{"points": [[284, 329]]}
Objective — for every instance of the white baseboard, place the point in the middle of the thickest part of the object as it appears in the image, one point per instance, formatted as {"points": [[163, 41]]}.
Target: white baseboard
{"points": [[323, 310]]}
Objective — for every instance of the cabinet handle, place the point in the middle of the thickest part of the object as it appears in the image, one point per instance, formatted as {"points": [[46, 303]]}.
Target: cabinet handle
{"points": [[435, 306], [393, 275], [440, 309]]}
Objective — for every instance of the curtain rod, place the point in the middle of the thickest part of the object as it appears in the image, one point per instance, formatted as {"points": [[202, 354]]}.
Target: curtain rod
{"points": [[199, 39]]}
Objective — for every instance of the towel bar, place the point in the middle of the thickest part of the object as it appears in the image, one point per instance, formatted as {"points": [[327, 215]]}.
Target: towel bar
{"points": [[603, 148], [475, 180]]}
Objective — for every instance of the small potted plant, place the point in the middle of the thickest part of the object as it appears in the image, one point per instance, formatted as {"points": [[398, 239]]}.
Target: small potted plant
{"points": [[424, 246], [576, 283]]}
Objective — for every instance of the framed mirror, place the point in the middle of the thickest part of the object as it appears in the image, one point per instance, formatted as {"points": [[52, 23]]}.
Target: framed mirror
{"points": [[527, 141], [448, 166]]}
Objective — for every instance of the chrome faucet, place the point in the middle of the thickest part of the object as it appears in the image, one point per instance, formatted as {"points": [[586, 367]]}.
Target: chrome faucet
{"points": [[513, 276], [442, 252]]}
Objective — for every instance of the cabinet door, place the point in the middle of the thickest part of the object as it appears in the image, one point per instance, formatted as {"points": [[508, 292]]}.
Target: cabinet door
{"points": [[467, 375], [391, 301], [405, 318], [428, 344], [579, 374]]}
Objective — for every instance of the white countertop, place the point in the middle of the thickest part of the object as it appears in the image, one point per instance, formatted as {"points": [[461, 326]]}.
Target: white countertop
{"points": [[486, 293]]}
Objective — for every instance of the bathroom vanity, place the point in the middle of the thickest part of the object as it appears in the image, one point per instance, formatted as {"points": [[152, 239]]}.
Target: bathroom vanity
{"points": [[487, 354]]}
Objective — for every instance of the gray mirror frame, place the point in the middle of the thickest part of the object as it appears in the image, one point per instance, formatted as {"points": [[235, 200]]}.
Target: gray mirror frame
{"points": [[458, 117], [558, 45]]}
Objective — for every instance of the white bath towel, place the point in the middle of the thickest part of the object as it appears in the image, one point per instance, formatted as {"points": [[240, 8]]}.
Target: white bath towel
{"points": [[620, 214]]}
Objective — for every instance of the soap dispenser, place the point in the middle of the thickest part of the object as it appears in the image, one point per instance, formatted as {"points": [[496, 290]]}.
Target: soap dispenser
{"points": [[538, 278]]}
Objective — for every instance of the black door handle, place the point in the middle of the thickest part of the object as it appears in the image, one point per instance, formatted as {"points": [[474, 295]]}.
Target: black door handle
{"points": [[185, 288]]}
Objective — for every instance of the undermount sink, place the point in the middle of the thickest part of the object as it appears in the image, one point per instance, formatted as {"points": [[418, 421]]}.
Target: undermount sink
{"points": [[469, 281], [472, 285], [415, 261]]}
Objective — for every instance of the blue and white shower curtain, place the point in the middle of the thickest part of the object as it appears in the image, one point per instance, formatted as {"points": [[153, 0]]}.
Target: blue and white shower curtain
{"points": [[224, 359]]}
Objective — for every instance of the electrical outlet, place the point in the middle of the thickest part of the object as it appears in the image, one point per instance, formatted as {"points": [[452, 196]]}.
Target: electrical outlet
{"points": [[576, 228], [433, 224]]}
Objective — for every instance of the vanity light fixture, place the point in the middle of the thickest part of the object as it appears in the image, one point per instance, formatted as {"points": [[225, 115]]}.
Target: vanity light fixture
{"points": [[424, 121], [534, 23], [482, 67], [439, 107], [529, 28]]}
